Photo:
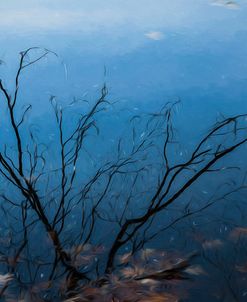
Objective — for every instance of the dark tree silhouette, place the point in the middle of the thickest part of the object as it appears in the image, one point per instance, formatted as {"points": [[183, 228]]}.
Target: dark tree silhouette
{"points": [[39, 202]]}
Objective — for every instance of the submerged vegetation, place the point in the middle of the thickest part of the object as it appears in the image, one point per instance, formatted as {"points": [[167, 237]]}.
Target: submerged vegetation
{"points": [[67, 236]]}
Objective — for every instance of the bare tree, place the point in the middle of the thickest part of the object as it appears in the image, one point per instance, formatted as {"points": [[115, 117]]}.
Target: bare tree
{"points": [[144, 173]]}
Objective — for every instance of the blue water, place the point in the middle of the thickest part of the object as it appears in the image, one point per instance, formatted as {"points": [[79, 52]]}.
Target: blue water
{"points": [[147, 53]]}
